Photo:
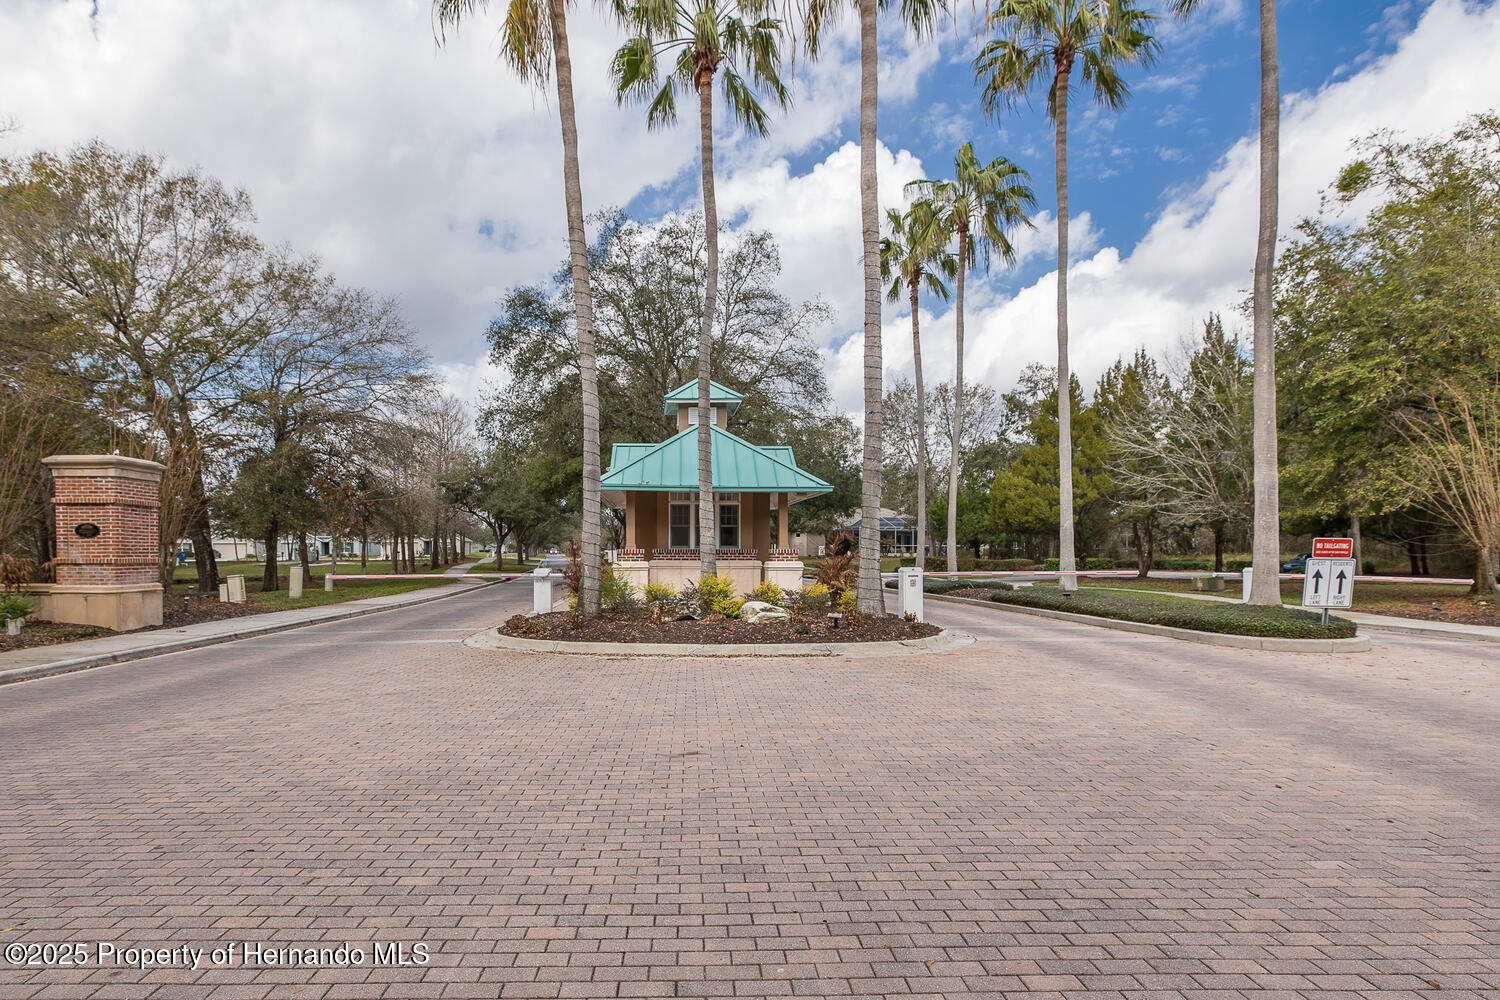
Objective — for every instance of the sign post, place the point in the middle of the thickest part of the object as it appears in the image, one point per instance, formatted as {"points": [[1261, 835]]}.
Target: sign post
{"points": [[1328, 577]]}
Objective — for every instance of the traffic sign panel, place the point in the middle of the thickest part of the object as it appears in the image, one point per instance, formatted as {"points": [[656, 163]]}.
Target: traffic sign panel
{"points": [[1328, 583], [1333, 548]]}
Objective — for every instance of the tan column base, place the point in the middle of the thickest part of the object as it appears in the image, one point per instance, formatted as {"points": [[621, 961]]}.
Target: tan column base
{"points": [[786, 575], [637, 572], [121, 607]]}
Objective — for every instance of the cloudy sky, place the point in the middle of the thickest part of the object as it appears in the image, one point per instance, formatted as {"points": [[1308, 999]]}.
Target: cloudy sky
{"points": [[426, 172]]}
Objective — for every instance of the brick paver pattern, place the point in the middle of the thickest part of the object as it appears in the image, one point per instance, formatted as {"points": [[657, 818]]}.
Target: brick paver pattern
{"points": [[1055, 811]]}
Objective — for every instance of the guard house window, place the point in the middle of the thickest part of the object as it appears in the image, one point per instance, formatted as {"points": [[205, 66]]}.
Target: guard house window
{"points": [[680, 534], [729, 521], [692, 415]]}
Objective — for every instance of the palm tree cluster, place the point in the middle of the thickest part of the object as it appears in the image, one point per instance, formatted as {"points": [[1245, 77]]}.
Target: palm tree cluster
{"points": [[949, 226]]}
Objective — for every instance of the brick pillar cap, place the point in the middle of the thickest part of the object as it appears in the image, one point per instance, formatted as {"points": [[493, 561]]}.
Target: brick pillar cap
{"points": [[104, 465]]}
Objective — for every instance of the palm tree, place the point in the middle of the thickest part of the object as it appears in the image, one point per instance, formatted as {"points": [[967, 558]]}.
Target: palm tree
{"points": [[711, 36], [1265, 545], [982, 203], [918, 15], [534, 41], [915, 254], [1040, 43]]}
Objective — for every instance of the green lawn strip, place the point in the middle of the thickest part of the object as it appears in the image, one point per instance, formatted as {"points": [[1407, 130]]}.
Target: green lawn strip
{"points": [[1181, 612], [1367, 595], [1168, 609], [347, 590], [511, 566], [185, 577]]}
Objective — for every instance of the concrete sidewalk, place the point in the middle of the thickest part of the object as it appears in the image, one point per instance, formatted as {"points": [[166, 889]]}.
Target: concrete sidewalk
{"points": [[43, 661]]}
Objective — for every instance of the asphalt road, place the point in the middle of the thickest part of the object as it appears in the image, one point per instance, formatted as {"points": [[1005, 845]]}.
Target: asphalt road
{"points": [[1057, 809]]}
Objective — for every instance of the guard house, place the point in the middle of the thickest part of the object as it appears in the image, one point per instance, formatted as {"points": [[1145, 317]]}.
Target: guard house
{"points": [[656, 486]]}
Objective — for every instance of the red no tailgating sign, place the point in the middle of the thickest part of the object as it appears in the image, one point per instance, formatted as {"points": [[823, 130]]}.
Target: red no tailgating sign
{"points": [[1333, 548]]}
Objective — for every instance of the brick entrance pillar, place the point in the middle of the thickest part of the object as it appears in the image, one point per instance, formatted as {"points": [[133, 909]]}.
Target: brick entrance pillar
{"points": [[106, 508]]}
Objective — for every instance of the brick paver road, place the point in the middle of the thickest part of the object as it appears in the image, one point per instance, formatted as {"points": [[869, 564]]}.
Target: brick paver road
{"points": [[1055, 810]]}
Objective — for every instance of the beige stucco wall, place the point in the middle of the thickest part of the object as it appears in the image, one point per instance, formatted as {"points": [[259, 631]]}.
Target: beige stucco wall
{"points": [[120, 607], [720, 418], [786, 575]]}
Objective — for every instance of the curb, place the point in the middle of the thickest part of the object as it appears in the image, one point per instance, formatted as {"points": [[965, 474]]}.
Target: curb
{"points": [[1357, 644], [944, 641], [336, 613], [1433, 633]]}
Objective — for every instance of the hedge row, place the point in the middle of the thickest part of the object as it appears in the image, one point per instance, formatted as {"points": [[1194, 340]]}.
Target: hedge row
{"points": [[1095, 563], [968, 564], [1198, 562], [1202, 616]]}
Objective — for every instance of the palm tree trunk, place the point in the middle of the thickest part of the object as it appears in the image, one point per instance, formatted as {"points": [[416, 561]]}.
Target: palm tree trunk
{"points": [[707, 526], [1265, 587], [583, 317], [1064, 376], [958, 399], [916, 361], [871, 595]]}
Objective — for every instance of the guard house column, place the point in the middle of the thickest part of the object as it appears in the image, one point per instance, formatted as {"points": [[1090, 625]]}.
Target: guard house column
{"points": [[783, 512]]}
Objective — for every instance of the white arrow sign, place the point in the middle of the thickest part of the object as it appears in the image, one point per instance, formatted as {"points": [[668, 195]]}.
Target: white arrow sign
{"points": [[1328, 583]]}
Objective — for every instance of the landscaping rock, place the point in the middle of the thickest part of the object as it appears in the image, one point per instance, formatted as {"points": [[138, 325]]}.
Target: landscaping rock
{"points": [[678, 609], [760, 611]]}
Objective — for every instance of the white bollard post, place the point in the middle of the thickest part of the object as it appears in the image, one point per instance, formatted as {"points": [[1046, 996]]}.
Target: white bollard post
{"points": [[1245, 584], [294, 581], [909, 592], [541, 591], [328, 582]]}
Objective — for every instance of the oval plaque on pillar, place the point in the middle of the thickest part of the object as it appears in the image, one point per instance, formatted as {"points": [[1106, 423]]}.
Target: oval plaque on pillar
{"points": [[87, 530]]}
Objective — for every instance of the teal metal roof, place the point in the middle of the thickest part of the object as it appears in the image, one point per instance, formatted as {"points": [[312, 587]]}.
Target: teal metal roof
{"points": [[739, 466], [622, 455], [687, 393]]}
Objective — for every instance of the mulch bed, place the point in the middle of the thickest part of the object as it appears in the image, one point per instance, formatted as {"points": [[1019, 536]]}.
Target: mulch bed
{"points": [[559, 626], [1461, 611], [38, 632]]}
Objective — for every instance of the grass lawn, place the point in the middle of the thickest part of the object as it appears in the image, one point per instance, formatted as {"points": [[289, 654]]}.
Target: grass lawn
{"points": [[185, 580], [1181, 612], [1369, 597], [512, 565], [348, 590]]}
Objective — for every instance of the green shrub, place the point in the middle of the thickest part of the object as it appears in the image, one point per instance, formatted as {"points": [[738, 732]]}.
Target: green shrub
{"points": [[17, 605], [716, 593], [848, 602], [656, 591], [813, 599], [617, 596], [1182, 612], [768, 592]]}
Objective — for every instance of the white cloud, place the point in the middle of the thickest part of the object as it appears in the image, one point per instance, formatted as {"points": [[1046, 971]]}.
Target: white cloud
{"points": [[1198, 255], [431, 173]]}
